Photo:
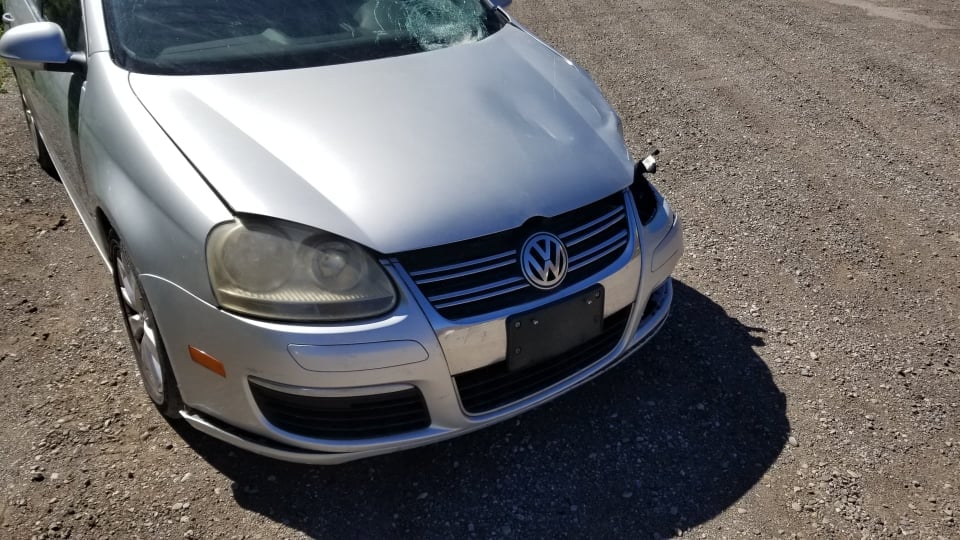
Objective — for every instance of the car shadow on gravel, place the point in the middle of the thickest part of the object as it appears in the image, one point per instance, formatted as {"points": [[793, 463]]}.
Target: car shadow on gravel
{"points": [[665, 441]]}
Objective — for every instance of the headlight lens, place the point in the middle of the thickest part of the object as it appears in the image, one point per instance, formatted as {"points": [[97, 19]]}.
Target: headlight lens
{"points": [[277, 270], [645, 198], [258, 256]]}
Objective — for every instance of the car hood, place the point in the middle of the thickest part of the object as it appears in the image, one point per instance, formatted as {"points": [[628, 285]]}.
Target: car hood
{"points": [[405, 152]]}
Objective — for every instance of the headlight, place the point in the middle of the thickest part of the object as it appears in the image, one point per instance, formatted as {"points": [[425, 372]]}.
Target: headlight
{"points": [[276, 270], [645, 198]]}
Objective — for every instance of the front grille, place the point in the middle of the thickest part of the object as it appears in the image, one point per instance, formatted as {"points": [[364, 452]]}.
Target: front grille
{"points": [[493, 386], [483, 275], [354, 417]]}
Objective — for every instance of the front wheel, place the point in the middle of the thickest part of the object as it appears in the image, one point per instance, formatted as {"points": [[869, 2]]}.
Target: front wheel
{"points": [[152, 360]]}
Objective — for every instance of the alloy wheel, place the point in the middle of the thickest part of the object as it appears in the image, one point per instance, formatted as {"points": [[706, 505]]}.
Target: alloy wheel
{"points": [[142, 329]]}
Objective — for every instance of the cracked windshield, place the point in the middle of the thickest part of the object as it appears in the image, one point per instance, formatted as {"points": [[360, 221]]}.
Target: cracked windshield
{"points": [[225, 36]]}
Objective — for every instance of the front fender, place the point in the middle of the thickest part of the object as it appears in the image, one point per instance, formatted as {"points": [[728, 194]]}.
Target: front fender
{"points": [[152, 197]]}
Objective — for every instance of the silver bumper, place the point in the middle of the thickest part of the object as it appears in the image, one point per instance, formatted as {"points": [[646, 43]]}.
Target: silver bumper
{"points": [[267, 447], [310, 359]]}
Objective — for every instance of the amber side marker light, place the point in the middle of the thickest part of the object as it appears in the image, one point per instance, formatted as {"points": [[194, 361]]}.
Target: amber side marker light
{"points": [[207, 361]]}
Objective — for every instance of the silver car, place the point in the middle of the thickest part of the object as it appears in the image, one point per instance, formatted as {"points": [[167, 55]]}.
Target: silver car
{"points": [[341, 228]]}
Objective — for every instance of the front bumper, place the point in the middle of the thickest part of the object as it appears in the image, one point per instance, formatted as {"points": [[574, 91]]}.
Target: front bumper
{"points": [[410, 348]]}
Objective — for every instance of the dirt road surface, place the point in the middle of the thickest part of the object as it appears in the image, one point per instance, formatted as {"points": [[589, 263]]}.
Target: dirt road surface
{"points": [[806, 385]]}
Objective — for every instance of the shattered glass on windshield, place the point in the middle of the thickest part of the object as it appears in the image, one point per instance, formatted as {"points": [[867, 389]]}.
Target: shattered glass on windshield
{"points": [[433, 23], [218, 36]]}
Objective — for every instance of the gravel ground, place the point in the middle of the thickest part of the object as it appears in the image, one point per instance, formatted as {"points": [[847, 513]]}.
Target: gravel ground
{"points": [[805, 386]]}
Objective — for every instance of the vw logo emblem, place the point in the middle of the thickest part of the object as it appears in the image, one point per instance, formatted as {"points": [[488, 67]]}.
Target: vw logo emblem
{"points": [[544, 261]]}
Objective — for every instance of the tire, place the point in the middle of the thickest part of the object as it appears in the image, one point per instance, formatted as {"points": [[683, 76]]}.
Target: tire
{"points": [[40, 152], [43, 157], [153, 363]]}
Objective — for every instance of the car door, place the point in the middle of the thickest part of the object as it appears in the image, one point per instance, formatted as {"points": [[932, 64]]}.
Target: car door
{"points": [[54, 98]]}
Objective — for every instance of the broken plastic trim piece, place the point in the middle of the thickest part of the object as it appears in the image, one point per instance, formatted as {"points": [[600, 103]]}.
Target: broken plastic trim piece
{"points": [[649, 163]]}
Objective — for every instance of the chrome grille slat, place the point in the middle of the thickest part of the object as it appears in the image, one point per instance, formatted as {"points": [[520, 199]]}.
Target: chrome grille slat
{"points": [[465, 273], [595, 236], [487, 296], [594, 232], [463, 264], [480, 289], [598, 247], [608, 215], [611, 249]]}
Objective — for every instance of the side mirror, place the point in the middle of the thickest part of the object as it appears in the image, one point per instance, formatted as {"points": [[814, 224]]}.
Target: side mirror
{"points": [[40, 46], [501, 3]]}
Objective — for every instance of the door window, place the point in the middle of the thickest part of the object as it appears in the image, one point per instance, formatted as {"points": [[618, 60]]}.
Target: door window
{"points": [[69, 16]]}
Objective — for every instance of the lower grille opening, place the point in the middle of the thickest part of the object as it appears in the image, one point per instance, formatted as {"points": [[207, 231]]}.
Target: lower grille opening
{"points": [[493, 386], [352, 417]]}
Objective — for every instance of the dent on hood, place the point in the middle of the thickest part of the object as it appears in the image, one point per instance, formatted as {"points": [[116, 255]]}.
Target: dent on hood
{"points": [[433, 23]]}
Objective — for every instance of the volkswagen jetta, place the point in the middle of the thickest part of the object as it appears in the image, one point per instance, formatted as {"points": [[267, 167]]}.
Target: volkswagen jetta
{"points": [[339, 228]]}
